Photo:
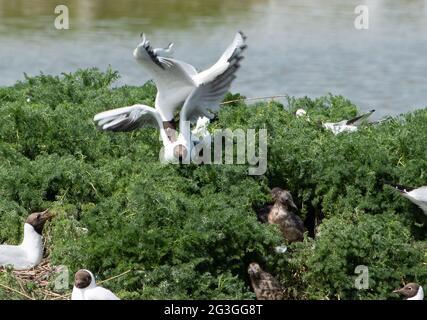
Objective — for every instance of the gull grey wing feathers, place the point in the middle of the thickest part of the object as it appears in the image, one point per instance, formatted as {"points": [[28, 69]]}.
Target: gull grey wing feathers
{"points": [[128, 118], [235, 49], [206, 98], [163, 51], [419, 197], [416, 195], [358, 120], [173, 79]]}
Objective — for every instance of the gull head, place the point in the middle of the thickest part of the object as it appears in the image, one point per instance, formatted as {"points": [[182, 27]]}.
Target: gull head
{"points": [[180, 152], [254, 270], [177, 152], [38, 219], [409, 290], [284, 197], [83, 279]]}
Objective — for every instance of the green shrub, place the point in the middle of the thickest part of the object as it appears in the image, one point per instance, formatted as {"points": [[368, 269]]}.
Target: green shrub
{"points": [[189, 232]]}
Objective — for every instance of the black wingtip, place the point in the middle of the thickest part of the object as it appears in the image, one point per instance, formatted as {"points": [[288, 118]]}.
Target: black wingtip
{"points": [[398, 187], [242, 34]]}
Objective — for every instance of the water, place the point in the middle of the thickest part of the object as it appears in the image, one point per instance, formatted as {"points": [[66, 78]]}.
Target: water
{"points": [[296, 47]]}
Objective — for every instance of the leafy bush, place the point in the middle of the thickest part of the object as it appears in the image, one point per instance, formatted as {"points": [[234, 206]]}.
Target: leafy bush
{"points": [[189, 232]]}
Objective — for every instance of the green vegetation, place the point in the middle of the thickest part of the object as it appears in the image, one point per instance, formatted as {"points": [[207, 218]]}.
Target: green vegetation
{"points": [[189, 232]]}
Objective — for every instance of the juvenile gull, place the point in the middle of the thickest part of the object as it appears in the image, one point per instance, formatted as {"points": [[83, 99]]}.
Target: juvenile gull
{"points": [[85, 288], [416, 195], [283, 214], [411, 291], [30, 252], [179, 85], [347, 125], [265, 286]]}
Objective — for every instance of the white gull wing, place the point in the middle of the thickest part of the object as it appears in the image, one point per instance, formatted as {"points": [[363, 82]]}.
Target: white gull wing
{"points": [[233, 50], [206, 98], [99, 293], [347, 125], [164, 52], [339, 127], [419, 197], [172, 78], [416, 195], [128, 118], [14, 256]]}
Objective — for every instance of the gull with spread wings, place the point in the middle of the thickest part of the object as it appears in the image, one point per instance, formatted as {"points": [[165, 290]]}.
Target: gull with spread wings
{"points": [[179, 85]]}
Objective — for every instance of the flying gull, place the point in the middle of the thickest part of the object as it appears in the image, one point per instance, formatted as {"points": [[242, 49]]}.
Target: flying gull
{"points": [[347, 125], [85, 288], [30, 252], [179, 85]]}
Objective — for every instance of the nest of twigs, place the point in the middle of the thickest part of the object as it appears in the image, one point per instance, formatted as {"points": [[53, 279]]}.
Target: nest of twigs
{"points": [[39, 279], [38, 283]]}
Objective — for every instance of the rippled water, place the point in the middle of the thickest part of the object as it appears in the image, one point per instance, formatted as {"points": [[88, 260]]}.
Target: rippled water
{"points": [[296, 47]]}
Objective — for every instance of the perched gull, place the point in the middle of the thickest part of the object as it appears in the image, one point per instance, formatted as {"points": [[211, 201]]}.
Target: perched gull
{"points": [[416, 195], [265, 286], [30, 252], [347, 125], [179, 85], [283, 214], [85, 288], [411, 291]]}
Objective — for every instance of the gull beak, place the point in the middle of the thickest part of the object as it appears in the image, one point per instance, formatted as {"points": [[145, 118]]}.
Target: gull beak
{"points": [[47, 215], [397, 291], [293, 205]]}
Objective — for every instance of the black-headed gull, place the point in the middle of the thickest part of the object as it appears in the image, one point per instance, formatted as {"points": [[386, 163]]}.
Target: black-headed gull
{"points": [[347, 125], [265, 286], [85, 288], [30, 252], [283, 213], [416, 195], [178, 85], [411, 291]]}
